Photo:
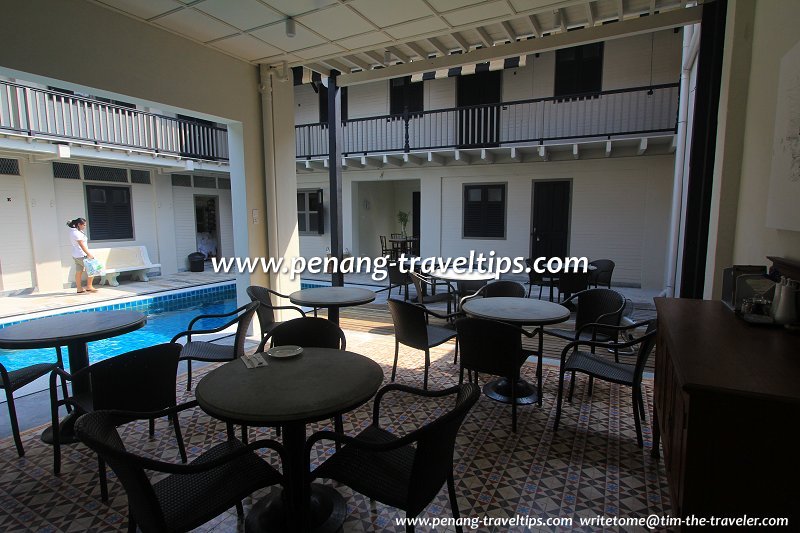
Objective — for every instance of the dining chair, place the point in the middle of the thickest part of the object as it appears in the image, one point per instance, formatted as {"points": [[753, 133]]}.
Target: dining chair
{"points": [[495, 348], [211, 351], [142, 380], [266, 309], [537, 278], [398, 279], [386, 249], [411, 328], [423, 283], [404, 472], [191, 494], [597, 366], [503, 288], [13, 380], [601, 275], [569, 283]]}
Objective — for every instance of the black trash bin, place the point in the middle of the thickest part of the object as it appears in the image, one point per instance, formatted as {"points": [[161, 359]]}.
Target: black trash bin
{"points": [[197, 262]]}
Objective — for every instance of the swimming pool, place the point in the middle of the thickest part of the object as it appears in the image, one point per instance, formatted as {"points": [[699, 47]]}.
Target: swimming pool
{"points": [[167, 315]]}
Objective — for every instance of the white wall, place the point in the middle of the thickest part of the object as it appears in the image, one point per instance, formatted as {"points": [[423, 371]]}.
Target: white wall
{"points": [[17, 256]]}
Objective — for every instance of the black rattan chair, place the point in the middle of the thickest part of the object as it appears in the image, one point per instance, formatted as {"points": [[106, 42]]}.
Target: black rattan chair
{"points": [[411, 328], [307, 332], [596, 366], [405, 472], [191, 494], [210, 351], [398, 279], [601, 275], [503, 288], [569, 283], [143, 380], [266, 309], [422, 284], [387, 250], [16, 379], [493, 348]]}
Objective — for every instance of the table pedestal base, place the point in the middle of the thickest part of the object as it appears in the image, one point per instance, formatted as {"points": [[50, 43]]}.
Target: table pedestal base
{"points": [[66, 430], [500, 390], [327, 512]]}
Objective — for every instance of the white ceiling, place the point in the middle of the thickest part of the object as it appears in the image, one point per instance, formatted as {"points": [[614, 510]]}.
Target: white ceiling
{"points": [[352, 35]]}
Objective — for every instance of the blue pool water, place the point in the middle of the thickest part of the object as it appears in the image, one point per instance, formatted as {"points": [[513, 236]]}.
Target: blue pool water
{"points": [[166, 316]]}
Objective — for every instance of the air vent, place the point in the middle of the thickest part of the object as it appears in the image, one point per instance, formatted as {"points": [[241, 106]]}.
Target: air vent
{"points": [[67, 171], [181, 180], [224, 183], [140, 176], [116, 175], [9, 167], [205, 182]]}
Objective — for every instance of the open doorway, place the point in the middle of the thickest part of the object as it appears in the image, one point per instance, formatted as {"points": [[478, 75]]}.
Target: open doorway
{"points": [[206, 216]]}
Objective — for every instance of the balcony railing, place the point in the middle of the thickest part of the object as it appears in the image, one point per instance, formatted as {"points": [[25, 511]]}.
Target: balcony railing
{"points": [[636, 111], [54, 115]]}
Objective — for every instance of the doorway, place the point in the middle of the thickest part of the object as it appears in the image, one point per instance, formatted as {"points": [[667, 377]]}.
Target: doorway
{"points": [[206, 216], [415, 221], [550, 218], [479, 125]]}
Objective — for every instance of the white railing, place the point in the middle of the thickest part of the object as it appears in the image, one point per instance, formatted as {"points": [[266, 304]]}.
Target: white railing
{"points": [[54, 115]]}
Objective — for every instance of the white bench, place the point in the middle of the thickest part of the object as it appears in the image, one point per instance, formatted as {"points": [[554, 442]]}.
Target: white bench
{"points": [[115, 261]]}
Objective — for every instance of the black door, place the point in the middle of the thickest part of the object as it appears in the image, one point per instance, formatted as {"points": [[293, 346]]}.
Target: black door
{"points": [[479, 127], [550, 229], [415, 221]]}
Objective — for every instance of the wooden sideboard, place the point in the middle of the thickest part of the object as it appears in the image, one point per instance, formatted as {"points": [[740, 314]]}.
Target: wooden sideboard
{"points": [[727, 407]]}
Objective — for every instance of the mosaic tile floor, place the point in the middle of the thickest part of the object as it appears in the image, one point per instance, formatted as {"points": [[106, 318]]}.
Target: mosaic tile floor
{"points": [[591, 466]]}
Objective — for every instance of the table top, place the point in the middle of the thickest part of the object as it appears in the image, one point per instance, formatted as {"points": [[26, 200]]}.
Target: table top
{"points": [[525, 311], [332, 297], [449, 274], [403, 239], [315, 385], [60, 330]]}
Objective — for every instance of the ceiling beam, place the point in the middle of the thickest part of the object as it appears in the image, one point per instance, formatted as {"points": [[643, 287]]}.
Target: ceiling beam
{"points": [[636, 26], [461, 156], [369, 162], [316, 67], [575, 151], [562, 20], [621, 9], [421, 52], [608, 148], [462, 42], [439, 46], [589, 14], [543, 153], [509, 30], [375, 55], [413, 159], [357, 61], [338, 65], [393, 161], [516, 156], [486, 39], [652, 7], [534, 22], [674, 144], [398, 54], [487, 155], [642, 146], [436, 159]]}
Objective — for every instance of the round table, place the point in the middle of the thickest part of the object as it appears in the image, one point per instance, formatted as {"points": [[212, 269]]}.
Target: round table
{"points": [[450, 274], [74, 331], [523, 312], [333, 298], [291, 392]]}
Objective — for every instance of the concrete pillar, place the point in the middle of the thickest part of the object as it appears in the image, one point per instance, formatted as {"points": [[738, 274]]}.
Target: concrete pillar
{"points": [[165, 223], [44, 226]]}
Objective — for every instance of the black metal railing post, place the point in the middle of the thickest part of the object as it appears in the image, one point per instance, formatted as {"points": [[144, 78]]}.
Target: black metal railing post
{"points": [[406, 145]]}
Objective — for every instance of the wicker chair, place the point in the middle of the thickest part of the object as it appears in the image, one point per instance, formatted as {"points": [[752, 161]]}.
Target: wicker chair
{"points": [[387, 250], [569, 283], [398, 279], [209, 351], [16, 379], [504, 288], [143, 380], [601, 275], [266, 309], [536, 278], [588, 362], [411, 328], [405, 472], [493, 348], [190, 495], [423, 283]]}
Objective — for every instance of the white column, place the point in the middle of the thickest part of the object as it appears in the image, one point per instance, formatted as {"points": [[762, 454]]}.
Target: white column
{"points": [[165, 223]]}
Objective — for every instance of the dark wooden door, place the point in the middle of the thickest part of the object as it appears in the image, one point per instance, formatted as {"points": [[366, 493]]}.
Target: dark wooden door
{"points": [[415, 220], [551, 215], [479, 126]]}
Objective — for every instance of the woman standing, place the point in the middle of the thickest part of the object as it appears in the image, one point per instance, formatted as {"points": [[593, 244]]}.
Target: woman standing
{"points": [[80, 251]]}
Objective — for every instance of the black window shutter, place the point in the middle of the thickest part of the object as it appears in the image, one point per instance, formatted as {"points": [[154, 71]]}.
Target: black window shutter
{"points": [[109, 211], [320, 213]]}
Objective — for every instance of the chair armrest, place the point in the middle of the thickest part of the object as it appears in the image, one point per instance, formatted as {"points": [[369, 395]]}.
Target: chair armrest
{"points": [[444, 316], [204, 466], [558, 335], [355, 442], [289, 307], [610, 345], [221, 315], [615, 328], [410, 390], [189, 332]]}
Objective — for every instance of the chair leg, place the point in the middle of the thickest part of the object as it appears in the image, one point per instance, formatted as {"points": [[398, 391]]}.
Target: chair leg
{"points": [[654, 451], [338, 426], [396, 353], [244, 434], [460, 376], [188, 374], [591, 384], [451, 491], [642, 410], [571, 387], [514, 404], [131, 522], [152, 427], [239, 509], [64, 389], [455, 359], [229, 430], [427, 365], [636, 421], [558, 401], [101, 466], [179, 437], [12, 415]]}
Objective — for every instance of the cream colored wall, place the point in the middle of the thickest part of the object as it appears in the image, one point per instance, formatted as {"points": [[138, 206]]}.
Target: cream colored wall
{"points": [[16, 261], [773, 30], [83, 45], [43, 223]]}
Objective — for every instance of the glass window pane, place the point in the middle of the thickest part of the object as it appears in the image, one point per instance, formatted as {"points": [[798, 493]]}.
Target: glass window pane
{"points": [[474, 194], [312, 222], [301, 222], [313, 201], [301, 201], [496, 194]]}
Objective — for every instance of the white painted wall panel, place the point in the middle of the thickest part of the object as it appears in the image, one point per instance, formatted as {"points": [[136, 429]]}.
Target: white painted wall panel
{"points": [[368, 100], [16, 261], [185, 229], [307, 105], [626, 62]]}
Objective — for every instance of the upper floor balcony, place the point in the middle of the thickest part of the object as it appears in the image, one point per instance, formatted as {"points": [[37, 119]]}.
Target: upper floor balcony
{"points": [[635, 113], [56, 116]]}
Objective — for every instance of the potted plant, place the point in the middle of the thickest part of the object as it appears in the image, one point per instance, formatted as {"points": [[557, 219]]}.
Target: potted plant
{"points": [[402, 218]]}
